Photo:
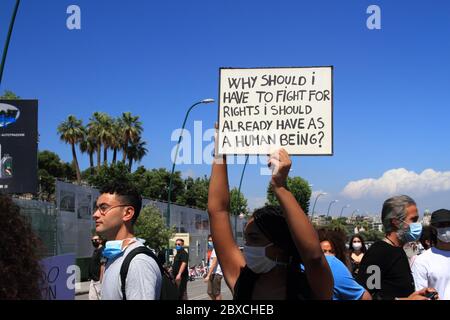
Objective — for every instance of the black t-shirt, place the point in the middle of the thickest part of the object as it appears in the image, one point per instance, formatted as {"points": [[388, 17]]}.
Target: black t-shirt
{"points": [[94, 265], [396, 278], [297, 286], [181, 256]]}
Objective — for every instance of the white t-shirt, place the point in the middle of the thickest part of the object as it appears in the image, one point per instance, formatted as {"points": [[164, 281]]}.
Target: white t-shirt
{"points": [[431, 269], [143, 278], [218, 268]]}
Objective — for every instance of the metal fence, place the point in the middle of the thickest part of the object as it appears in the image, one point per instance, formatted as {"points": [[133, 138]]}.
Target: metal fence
{"points": [[67, 226], [43, 219]]}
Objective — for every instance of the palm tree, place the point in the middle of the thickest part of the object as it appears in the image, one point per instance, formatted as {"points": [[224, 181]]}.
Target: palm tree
{"points": [[116, 139], [93, 128], [136, 151], [72, 131], [131, 130], [100, 127], [88, 145], [106, 135]]}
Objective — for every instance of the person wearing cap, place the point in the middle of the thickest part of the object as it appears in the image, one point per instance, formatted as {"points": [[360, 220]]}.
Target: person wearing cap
{"points": [[432, 268]]}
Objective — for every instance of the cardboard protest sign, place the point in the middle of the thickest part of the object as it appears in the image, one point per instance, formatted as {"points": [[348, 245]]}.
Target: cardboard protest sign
{"points": [[263, 109]]}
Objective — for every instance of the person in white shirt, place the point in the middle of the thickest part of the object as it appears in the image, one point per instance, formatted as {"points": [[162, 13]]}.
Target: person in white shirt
{"points": [[432, 268], [215, 275]]}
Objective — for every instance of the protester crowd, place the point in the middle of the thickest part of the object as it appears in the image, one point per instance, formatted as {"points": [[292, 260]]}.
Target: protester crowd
{"points": [[284, 258]]}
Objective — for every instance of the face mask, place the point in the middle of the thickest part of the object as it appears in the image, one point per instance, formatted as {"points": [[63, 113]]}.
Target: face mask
{"points": [[210, 244], [443, 234], [411, 234], [256, 259], [178, 248], [357, 246], [114, 249]]}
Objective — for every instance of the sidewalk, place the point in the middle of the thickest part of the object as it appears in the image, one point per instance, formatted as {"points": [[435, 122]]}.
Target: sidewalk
{"points": [[82, 288]]}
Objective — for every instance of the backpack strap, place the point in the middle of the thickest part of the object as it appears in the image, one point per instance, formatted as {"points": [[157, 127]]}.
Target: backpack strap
{"points": [[126, 265]]}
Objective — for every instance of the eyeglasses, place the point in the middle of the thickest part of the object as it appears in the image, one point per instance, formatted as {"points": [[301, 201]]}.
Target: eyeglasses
{"points": [[104, 208]]}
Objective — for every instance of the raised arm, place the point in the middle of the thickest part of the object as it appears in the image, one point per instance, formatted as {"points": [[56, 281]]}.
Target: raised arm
{"points": [[229, 255], [305, 237]]}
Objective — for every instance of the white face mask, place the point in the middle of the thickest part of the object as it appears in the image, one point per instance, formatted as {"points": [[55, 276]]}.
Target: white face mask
{"points": [[357, 245], [443, 234], [256, 259]]}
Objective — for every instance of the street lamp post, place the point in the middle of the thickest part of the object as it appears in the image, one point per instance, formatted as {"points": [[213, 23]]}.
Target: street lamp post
{"points": [[8, 39], [328, 212], [342, 210], [239, 199], [176, 154], [354, 211], [314, 206]]}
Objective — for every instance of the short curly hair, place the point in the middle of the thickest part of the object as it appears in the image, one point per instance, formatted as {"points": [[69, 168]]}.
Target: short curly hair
{"points": [[127, 192], [20, 272], [337, 239]]}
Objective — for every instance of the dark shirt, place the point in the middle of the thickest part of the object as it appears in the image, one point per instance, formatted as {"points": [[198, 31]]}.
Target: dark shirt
{"points": [[354, 266], [181, 256], [297, 287], [94, 265], [396, 277]]}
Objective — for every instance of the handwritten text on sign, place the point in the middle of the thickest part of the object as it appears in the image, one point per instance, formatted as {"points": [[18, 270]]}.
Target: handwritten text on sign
{"points": [[261, 110]]}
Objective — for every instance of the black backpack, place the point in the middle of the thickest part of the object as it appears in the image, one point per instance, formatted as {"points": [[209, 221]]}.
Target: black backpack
{"points": [[169, 289]]}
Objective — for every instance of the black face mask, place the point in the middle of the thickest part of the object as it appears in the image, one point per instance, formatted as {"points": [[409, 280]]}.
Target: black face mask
{"points": [[96, 244]]}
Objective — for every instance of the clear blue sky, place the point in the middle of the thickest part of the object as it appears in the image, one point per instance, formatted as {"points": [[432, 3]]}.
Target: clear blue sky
{"points": [[156, 58]]}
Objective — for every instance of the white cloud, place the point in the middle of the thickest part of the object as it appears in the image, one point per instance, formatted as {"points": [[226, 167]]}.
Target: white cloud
{"points": [[399, 181]]}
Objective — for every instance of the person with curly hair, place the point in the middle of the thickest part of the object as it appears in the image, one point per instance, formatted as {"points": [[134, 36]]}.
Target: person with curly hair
{"points": [[21, 276], [345, 286]]}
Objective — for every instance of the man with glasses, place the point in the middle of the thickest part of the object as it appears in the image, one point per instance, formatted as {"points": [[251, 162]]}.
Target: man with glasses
{"points": [[180, 268], [115, 213]]}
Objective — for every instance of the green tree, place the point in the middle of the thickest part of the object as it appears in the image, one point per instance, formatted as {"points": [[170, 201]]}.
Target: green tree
{"points": [[136, 151], [106, 135], [195, 193], [339, 224], [116, 139], [88, 145], [238, 202], [50, 167], [155, 184], [151, 227], [115, 172], [131, 130], [46, 186], [100, 129], [300, 189], [372, 235], [71, 131], [9, 95]]}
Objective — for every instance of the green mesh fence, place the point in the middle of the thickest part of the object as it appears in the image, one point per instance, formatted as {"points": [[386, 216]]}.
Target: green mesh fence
{"points": [[42, 217]]}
